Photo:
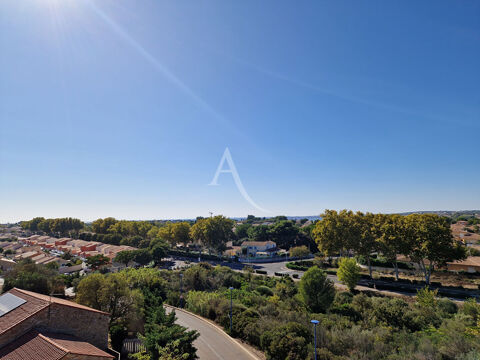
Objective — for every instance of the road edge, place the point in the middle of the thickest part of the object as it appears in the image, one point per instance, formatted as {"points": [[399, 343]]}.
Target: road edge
{"points": [[253, 356]]}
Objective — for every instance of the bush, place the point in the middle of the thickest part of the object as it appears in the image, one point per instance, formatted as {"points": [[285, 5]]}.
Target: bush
{"points": [[447, 307], [343, 297], [209, 305], [264, 290], [299, 251], [286, 342], [118, 333]]}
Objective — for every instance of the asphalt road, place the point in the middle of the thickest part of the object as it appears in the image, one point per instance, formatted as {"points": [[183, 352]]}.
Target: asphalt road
{"points": [[212, 344]]}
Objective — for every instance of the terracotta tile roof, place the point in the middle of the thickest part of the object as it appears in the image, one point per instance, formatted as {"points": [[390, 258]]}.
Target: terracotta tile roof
{"points": [[258, 243], [470, 261], [34, 304], [31, 346], [51, 299], [23, 312], [48, 346], [73, 345]]}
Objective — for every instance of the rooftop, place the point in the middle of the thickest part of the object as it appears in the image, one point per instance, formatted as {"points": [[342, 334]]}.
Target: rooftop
{"points": [[48, 346]]}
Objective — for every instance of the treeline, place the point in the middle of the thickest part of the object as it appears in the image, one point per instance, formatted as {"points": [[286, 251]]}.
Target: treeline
{"points": [[212, 233], [60, 226], [424, 238]]}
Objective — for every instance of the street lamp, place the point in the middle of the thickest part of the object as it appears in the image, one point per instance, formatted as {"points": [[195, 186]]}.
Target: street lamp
{"points": [[315, 323], [181, 290], [231, 303]]}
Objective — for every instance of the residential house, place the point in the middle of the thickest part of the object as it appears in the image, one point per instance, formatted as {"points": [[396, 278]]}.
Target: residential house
{"points": [[470, 265], [259, 248], [40, 327]]}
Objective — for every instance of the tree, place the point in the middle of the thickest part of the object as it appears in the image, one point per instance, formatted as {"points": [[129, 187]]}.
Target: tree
{"points": [[110, 293], [258, 233], [163, 337], [63, 226], [159, 251], [38, 278], [142, 256], [213, 232], [432, 242], [124, 257], [166, 233], [348, 272], [332, 233], [241, 230], [284, 233], [97, 261], [181, 233], [32, 225], [363, 239], [299, 251], [101, 226], [393, 240], [316, 290]]}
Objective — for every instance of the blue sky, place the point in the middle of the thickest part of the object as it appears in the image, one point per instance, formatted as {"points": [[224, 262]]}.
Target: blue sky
{"points": [[125, 108]]}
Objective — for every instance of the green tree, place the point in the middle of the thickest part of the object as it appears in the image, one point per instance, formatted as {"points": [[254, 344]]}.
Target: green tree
{"points": [[332, 233], [142, 256], [124, 257], [316, 290], [161, 334], [181, 233], [110, 293], [213, 232], [299, 251], [159, 251], [432, 242], [363, 235], [393, 240], [241, 230], [284, 233], [32, 225], [97, 261], [101, 226], [38, 278], [46, 226], [258, 233], [348, 272]]}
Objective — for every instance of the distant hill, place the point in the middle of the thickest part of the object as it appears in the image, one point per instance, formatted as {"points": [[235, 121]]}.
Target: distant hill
{"points": [[449, 213]]}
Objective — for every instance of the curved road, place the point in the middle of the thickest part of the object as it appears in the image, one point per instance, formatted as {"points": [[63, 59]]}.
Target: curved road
{"points": [[213, 343]]}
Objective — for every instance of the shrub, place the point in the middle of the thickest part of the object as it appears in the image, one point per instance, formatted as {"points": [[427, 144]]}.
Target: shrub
{"points": [[299, 251], [209, 305], [343, 297], [447, 307], [286, 342], [264, 290], [472, 309]]}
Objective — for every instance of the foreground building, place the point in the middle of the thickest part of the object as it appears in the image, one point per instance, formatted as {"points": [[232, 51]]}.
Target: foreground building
{"points": [[40, 327]]}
